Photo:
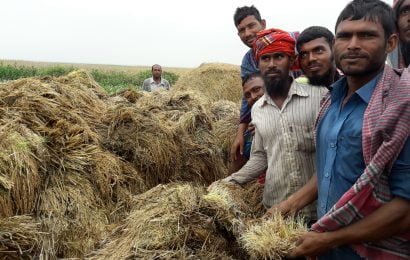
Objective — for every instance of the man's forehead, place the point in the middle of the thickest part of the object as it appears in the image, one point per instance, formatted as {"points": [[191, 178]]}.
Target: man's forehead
{"points": [[406, 4], [317, 42], [273, 53], [364, 24], [248, 19]]}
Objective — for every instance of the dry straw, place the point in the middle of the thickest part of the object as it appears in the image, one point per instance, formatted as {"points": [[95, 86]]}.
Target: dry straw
{"points": [[234, 205], [74, 158], [225, 117], [273, 238], [165, 223], [19, 237], [167, 136], [216, 81]]}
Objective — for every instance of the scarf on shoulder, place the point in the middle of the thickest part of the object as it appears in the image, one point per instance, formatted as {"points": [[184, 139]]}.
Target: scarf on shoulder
{"points": [[386, 127]]}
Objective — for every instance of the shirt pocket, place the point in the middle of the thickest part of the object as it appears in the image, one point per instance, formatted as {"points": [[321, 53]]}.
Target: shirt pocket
{"points": [[302, 138]]}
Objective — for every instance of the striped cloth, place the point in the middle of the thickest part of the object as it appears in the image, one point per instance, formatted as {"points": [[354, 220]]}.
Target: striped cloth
{"points": [[386, 127]]}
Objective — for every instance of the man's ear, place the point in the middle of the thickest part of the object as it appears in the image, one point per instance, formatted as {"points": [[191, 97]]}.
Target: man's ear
{"points": [[392, 42], [263, 22]]}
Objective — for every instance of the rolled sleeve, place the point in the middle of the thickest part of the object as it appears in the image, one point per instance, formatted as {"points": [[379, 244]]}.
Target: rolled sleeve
{"points": [[257, 163]]}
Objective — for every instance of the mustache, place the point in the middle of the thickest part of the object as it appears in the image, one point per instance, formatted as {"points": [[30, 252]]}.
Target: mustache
{"points": [[272, 71], [312, 63], [353, 55]]}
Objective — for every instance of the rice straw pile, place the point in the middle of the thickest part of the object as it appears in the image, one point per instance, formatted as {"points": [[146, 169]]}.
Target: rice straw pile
{"points": [[233, 205], [76, 166], [165, 223], [19, 237], [216, 81], [225, 118], [53, 165], [168, 136]]}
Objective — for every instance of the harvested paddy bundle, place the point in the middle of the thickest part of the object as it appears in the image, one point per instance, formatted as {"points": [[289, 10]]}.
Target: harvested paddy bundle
{"points": [[167, 136], [225, 117], [19, 237], [272, 238], [165, 223], [216, 81], [234, 205], [117, 182], [22, 156], [129, 94], [140, 138], [72, 215], [186, 112]]}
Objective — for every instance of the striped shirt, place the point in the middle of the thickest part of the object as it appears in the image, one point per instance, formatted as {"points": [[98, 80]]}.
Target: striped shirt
{"points": [[284, 145]]}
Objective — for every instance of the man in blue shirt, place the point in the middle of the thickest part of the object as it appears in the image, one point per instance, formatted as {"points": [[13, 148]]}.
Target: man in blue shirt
{"points": [[364, 36], [248, 22]]}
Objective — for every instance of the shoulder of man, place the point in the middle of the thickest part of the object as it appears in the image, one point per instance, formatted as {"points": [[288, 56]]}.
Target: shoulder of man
{"points": [[320, 91]]}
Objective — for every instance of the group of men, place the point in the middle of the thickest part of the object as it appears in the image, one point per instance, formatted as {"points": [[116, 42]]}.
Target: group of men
{"points": [[334, 148]]}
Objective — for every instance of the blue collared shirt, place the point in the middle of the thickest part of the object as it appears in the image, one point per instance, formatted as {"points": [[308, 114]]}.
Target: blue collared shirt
{"points": [[340, 159]]}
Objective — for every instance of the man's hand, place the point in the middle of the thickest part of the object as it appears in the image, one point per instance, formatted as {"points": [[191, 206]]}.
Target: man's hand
{"points": [[285, 208], [312, 244], [237, 145], [251, 128]]}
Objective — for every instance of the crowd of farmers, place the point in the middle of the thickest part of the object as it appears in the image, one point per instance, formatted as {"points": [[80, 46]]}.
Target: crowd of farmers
{"points": [[332, 145]]}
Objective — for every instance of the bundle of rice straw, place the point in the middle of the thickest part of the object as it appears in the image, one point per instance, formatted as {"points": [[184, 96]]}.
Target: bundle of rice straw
{"points": [[233, 205], [167, 136], [53, 165], [216, 81], [22, 155], [129, 94], [225, 117], [272, 238], [19, 237], [165, 223]]}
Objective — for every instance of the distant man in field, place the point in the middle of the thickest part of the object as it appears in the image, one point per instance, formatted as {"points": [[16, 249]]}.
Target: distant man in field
{"points": [[400, 57], [284, 118], [316, 60], [253, 87], [156, 81]]}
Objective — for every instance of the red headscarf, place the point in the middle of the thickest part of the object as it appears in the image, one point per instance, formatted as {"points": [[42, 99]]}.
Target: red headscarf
{"points": [[273, 40]]}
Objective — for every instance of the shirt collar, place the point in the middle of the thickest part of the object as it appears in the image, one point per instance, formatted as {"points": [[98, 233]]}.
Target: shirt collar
{"points": [[339, 89], [295, 89], [151, 80]]}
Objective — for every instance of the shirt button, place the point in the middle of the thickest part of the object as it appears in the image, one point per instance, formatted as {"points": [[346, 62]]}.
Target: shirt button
{"points": [[332, 145], [322, 206], [327, 174]]}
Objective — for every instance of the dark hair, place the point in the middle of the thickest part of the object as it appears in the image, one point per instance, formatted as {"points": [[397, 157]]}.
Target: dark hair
{"points": [[312, 33], [371, 10], [152, 68], [396, 9], [244, 11], [251, 76]]}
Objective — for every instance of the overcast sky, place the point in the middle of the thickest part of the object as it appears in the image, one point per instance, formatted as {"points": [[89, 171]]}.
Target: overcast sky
{"points": [[178, 33]]}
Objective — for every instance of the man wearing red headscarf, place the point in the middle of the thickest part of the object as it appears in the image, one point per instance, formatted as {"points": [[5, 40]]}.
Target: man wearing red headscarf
{"points": [[284, 119]]}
